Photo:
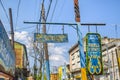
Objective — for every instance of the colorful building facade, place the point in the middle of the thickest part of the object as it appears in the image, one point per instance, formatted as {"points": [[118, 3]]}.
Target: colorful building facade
{"points": [[21, 60], [110, 59], [7, 56]]}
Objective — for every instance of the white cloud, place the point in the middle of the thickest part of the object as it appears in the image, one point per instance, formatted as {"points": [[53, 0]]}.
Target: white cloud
{"points": [[57, 55], [24, 38], [56, 49], [21, 35]]}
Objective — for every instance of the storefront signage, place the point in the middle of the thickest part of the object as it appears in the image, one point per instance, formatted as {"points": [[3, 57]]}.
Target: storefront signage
{"points": [[50, 38], [93, 53]]}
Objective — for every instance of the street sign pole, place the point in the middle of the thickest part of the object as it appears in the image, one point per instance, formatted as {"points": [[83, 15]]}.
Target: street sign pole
{"points": [[45, 44], [81, 53]]}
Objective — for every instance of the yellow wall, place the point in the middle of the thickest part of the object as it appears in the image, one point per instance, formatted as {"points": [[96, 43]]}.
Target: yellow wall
{"points": [[19, 55]]}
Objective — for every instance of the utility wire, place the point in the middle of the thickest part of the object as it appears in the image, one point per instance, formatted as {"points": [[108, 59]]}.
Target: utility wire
{"points": [[4, 10], [17, 12], [61, 9], [54, 10], [52, 14], [48, 9], [24, 28]]}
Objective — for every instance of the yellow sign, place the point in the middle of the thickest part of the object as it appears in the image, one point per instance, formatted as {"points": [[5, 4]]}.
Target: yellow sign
{"points": [[19, 54], [83, 74], [60, 73]]}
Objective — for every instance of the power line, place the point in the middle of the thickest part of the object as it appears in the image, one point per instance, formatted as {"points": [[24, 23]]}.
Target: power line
{"points": [[54, 10], [52, 14], [61, 9], [48, 9], [24, 28], [4, 9], [17, 12]]}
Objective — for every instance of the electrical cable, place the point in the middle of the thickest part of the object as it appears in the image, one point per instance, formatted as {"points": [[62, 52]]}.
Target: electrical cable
{"points": [[25, 28], [4, 10], [17, 13], [116, 29], [48, 10], [61, 9], [52, 14]]}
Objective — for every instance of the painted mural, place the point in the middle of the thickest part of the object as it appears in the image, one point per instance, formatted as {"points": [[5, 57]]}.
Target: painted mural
{"points": [[7, 56]]}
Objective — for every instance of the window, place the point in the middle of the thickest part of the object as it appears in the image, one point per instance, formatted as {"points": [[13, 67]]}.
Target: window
{"points": [[73, 57], [73, 64], [78, 61]]}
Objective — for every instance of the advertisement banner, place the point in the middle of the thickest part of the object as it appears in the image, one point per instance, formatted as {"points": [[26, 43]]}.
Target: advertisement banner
{"points": [[77, 12], [7, 55], [93, 54], [50, 38]]}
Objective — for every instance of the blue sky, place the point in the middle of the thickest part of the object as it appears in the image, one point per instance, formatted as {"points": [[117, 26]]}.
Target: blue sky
{"points": [[91, 11]]}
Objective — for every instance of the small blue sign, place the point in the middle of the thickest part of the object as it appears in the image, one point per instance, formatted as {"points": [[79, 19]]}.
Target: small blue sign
{"points": [[50, 38], [93, 53]]}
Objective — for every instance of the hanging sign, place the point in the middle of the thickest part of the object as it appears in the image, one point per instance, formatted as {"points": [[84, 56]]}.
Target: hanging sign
{"points": [[77, 12], [50, 38], [93, 53]]}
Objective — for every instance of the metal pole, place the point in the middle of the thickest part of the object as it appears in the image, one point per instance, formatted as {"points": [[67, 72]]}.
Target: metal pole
{"points": [[45, 44], [12, 30], [96, 29], [116, 30], [50, 23], [88, 28], [82, 24], [113, 66], [82, 55], [35, 62]]}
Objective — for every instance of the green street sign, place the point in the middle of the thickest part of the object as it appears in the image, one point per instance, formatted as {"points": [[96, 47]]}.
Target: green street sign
{"points": [[50, 38], [94, 53]]}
